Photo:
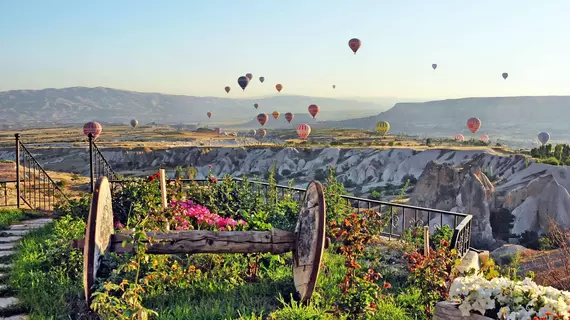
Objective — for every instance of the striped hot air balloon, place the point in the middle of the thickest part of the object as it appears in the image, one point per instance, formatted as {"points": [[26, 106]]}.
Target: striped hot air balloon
{"points": [[383, 127], [303, 130], [459, 137], [92, 127]]}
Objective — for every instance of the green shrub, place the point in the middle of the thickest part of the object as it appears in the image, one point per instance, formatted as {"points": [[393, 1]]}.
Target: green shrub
{"points": [[76, 208]]}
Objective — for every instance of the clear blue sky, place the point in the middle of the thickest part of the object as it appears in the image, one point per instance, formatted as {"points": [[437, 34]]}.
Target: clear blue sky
{"points": [[196, 47]]}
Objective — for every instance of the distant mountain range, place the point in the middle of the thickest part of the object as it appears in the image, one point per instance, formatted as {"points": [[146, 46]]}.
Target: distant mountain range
{"points": [[511, 117], [80, 104], [514, 117]]}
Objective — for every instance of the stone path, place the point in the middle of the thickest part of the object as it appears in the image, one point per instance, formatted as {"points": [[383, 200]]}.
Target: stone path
{"points": [[9, 306]]}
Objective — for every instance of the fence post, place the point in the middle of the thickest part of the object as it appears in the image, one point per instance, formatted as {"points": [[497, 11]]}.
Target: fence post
{"points": [[426, 241], [17, 136], [91, 168]]}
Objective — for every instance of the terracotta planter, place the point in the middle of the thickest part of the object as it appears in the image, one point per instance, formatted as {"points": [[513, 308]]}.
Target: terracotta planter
{"points": [[446, 310]]}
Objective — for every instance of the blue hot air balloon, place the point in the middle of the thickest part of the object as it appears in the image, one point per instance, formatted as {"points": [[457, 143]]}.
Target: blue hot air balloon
{"points": [[243, 81], [543, 137]]}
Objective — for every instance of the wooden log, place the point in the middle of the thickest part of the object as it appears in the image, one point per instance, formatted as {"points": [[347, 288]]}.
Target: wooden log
{"points": [[200, 241]]}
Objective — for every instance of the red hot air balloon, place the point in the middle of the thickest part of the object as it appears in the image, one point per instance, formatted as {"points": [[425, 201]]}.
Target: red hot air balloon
{"points": [[262, 118], [313, 110], [473, 124], [256, 105], [303, 130], [279, 87], [484, 138], [289, 116], [354, 44], [459, 137], [94, 128], [227, 89], [209, 114]]}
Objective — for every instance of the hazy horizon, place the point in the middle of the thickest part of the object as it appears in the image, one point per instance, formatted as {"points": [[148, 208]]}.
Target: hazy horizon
{"points": [[197, 48]]}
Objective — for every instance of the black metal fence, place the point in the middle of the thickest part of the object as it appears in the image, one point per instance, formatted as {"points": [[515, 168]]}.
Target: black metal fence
{"points": [[401, 218], [6, 198], [98, 165], [34, 186]]}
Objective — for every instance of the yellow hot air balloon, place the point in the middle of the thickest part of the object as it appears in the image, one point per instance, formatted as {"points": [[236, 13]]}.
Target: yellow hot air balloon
{"points": [[383, 127], [276, 115]]}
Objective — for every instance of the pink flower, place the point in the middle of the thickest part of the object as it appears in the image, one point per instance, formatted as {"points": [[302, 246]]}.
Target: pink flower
{"points": [[119, 225], [209, 166]]}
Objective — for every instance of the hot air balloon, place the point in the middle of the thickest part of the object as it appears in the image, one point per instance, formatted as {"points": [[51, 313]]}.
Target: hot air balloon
{"points": [[261, 79], [92, 127], [261, 133], [262, 118], [354, 44], [243, 81], [279, 87], [289, 116], [252, 132], [209, 114], [134, 123], [434, 66], [313, 110], [473, 124], [543, 137], [227, 88], [249, 76], [334, 86], [218, 130], [383, 127], [459, 137], [303, 130], [256, 105], [505, 75], [484, 138], [275, 115]]}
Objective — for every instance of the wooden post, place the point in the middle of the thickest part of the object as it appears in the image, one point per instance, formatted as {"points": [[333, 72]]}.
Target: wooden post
{"points": [[163, 193], [426, 241], [162, 173], [17, 136]]}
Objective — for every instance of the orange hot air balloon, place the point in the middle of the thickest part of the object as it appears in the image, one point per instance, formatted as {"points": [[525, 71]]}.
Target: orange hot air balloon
{"points": [[354, 44], [303, 130], [256, 105], [313, 110], [289, 116], [279, 87], [227, 89], [473, 124], [209, 114], [275, 115], [262, 118]]}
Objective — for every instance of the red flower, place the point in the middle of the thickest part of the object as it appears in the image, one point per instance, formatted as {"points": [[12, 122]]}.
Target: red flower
{"points": [[387, 285]]}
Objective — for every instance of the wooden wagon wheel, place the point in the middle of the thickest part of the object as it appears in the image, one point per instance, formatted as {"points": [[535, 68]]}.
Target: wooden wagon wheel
{"points": [[309, 241], [98, 234]]}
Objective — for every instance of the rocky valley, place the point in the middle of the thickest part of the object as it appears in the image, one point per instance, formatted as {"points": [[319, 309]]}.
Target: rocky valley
{"points": [[507, 195]]}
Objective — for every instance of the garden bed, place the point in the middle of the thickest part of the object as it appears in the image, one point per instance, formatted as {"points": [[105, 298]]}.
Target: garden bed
{"points": [[361, 276]]}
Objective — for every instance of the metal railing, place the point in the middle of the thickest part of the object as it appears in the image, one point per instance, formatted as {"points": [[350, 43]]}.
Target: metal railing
{"points": [[98, 165], [33, 185], [5, 199], [402, 217]]}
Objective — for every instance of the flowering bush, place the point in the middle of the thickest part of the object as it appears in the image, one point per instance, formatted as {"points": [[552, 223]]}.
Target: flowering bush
{"points": [[186, 215], [506, 299]]}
